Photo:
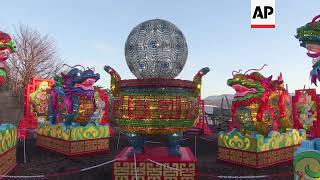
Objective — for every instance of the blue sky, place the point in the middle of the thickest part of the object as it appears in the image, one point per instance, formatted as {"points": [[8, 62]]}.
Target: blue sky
{"points": [[218, 33]]}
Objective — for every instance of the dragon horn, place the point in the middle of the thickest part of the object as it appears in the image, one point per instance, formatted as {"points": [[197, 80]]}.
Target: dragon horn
{"points": [[314, 21], [238, 72], [256, 69], [93, 69], [280, 78], [74, 66]]}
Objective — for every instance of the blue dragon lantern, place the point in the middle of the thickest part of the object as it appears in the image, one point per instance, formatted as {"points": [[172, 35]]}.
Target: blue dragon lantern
{"points": [[72, 128], [72, 100]]}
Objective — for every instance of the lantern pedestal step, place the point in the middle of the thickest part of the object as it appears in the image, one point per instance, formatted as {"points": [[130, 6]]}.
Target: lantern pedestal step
{"points": [[259, 151], [73, 148], [8, 161], [195, 131], [155, 163], [74, 141], [257, 159]]}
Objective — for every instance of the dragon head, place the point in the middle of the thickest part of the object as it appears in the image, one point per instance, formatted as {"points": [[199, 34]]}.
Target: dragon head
{"points": [[309, 38], [81, 79], [253, 85], [248, 86], [7, 46]]}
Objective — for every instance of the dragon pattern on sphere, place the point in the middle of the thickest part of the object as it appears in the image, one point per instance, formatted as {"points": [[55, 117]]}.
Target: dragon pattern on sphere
{"points": [[72, 98], [260, 104]]}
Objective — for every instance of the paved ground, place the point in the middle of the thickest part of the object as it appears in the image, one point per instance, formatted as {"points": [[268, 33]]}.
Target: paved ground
{"points": [[43, 162]]}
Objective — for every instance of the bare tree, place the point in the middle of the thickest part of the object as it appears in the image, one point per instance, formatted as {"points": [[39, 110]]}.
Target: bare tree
{"points": [[36, 56]]}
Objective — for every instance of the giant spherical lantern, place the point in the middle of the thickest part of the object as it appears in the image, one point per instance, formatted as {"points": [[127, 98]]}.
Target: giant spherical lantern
{"points": [[156, 49], [155, 103]]}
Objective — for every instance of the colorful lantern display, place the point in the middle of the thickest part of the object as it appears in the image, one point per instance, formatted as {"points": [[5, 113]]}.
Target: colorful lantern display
{"points": [[72, 98], [35, 106], [305, 104], [76, 115], [307, 110], [260, 104], [40, 101], [155, 106], [99, 116], [306, 160], [261, 128], [305, 107], [309, 37], [155, 103], [8, 142], [7, 46]]}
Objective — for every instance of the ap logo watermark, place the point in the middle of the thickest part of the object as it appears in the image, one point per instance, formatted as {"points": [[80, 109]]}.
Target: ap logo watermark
{"points": [[263, 14]]}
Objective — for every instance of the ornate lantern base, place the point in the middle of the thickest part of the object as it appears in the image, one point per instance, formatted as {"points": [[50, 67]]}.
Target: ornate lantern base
{"points": [[76, 141], [258, 151], [155, 163], [8, 136]]}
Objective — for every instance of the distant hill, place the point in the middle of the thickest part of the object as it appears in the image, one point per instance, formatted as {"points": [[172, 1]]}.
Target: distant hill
{"points": [[216, 100]]}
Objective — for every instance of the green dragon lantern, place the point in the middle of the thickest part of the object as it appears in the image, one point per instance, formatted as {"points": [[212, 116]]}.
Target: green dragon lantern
{"points": [[261, 130], [155, 103], [260, 104], [309, 38]]}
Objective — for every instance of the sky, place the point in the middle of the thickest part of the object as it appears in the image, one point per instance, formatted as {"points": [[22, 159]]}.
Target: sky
{"points": [[218, 34]]}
